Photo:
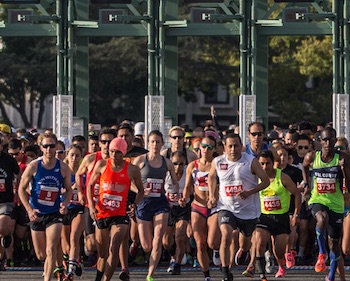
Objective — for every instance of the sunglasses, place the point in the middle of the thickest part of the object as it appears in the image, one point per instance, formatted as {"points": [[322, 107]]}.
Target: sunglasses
{"points": [[105, 141], [209, 146], [340, 147], [14, 153], [196, 149], [177, 137], [327, 139], [178, 163], [51, 145], [60, 151], [305, 147], [259, 134]]}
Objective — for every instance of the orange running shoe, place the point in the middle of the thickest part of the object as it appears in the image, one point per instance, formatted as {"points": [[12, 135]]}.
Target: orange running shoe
{"points": [[320, 265]]}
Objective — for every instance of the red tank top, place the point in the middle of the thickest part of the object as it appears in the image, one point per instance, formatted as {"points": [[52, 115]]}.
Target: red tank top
{"points": [[114, 190], [96, 186], [23, 163]]}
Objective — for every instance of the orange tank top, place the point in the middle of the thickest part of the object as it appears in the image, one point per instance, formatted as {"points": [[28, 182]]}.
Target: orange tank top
{"points": [[113, 194]]}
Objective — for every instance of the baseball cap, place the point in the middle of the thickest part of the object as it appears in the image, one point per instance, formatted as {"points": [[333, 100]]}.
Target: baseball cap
{"points": [[5, 128], [139, 128], [24, 138], [188, 135], [119, 144]]}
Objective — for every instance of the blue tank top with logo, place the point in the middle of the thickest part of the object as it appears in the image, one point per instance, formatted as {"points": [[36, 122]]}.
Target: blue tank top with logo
{"points": [[46, 189]]}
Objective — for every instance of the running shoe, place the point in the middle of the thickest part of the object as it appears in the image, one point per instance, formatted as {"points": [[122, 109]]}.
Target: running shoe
{"points": [[58, 273], [290, 260], [263, 279], [216, 258], [320, 265], [195, 263], [78, 269], [149, 278], [124, 275], [241, 257], [171, 266], [207, 279], [68, 277], [269, 267], [6, 241], [281, 272], [134, 249], [9, 263], [176, 269], [249, 272], [327, 279]]}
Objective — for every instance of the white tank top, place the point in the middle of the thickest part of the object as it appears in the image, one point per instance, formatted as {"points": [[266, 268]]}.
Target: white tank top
{"points": [[170, 191], [235, 177]]}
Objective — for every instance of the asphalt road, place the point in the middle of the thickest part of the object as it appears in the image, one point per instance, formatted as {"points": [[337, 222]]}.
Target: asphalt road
{"points": [[188, 274]]}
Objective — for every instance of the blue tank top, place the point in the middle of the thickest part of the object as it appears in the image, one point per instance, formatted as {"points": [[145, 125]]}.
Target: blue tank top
{"points": [[46, 189], [248, 149]]}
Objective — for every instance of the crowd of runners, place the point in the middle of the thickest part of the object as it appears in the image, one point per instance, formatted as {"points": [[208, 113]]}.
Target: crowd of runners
{"points": [[279, 200]]}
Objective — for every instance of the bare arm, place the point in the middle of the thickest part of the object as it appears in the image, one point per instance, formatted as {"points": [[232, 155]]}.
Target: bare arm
{"points": [[212, 185], [66, 173], [83, 168], [188, 186], [292, 188], [264, 180], [308, 160], [135, 176], [94, 177]]}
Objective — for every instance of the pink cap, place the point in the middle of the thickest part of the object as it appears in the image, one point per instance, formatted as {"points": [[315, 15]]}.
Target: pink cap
{"points": [[119, 144]]}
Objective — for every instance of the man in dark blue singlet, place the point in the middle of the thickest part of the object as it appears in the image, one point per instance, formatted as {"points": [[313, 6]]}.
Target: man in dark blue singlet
{"points": [[47, 176]]}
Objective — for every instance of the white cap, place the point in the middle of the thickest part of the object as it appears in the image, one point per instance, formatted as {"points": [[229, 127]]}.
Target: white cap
{"points": [[139, 128]]}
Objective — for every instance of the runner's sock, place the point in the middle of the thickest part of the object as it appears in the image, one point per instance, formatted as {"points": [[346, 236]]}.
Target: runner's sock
{"points": [[321, 240], [334, 258]]}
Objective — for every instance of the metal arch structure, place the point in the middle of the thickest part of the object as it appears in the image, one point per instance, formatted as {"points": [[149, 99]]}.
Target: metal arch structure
{"points": [[158, 20]]}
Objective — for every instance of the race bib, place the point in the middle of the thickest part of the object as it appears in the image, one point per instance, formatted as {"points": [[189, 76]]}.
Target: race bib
{"points": [[2, 185], [75, 198], [233, 188], [48, 195], [111, 202], [272, 203], [156, 187], [325, 185], [203, 183]]}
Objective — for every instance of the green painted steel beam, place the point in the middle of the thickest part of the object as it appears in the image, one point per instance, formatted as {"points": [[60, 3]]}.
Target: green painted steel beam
{"points": [[113, 30], [23, 30], [199, 29], [296, 29]]}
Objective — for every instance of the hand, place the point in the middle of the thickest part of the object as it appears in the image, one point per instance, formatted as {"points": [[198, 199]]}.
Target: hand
{"points": [[244, 194], [211, 203], [131, 211], [63, 208], [212, 111], [32, 214], [182, 202], [295, 220], [147, 191], [93, 212]]}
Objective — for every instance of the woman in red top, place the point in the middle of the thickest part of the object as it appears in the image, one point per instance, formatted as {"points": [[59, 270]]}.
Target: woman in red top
{"points": [[110, 213]]}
